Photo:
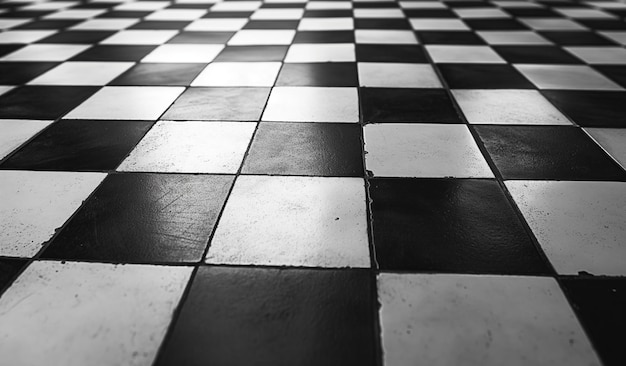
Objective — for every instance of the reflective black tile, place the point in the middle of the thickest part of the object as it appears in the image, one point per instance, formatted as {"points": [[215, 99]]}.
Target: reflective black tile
{"points": [[318, 74], [429, 13], [536, 55], [202, 37], [390, 53], [159, 74], [407, 105], [9, 268], [266, 316], [42, 102], [324, 37], [272, 24], [78, 37], [449, 225], [228, 14], [453, 38], [125, 14], [319, 149], [364, 23], [483, 76], [16, 73], [575, 38], [160, 24], [340, 13], [139, 218], [252, 53], [77, 145], [590, 108], [547, 152], [114, 53]]}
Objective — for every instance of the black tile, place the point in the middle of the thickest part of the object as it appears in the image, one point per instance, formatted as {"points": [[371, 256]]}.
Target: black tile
{"points": [[319, 149], [77, 37], [160, 24], [532, 12], [50, 24], [77, 145], [590, 108], [252, 53], [429, 13], [364, 23], [5, 49], [603, 24], [547, 152], [390, 53], [272, 24], [114, 53], [453, 38], [202, 37], [9, 268], [159, 74], [318, 74], [576, 38], [140, 218], [43, 102], [16, 73], [449, 225], [465, 4], [615, 73], [228, 14], [600, 304], [495, 24], [536, 55], [324, 37], [283, 5], [340, 13], [221, 104], [267, 316], [125, 14], [407, 105], [483, 76], [26, 13]]}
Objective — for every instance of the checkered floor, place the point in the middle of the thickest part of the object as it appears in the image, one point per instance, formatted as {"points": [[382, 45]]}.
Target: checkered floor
{"points": [[292, 182]]}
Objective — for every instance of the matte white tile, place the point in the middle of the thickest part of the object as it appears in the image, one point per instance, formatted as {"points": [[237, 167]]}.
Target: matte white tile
{"points": [[584, 13], [580, 226], [293, 221], [464, 54], [82, 73], [89, 313], [612, 140], [217, 24], [312, 104], [423, 150], [184, 53], [442, 320], [24, 36], [238, 74], [277, 14], [236, 6], [375, 36], [600, 55], [323, 24], [252, 37], [378, 13], [75, 14], [572, 77], [493, 106], [551, 24], [176, 14], [140, 37], [15, 132], [35, 204], [46, 52], [426, 24], [481, 13], [397, 75], [142, 5], [616, 36], [513, 38], [127, 102], [335, 52], [105, 24], [191, 147]]}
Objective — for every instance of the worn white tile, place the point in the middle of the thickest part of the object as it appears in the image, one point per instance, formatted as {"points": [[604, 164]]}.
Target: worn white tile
{"points": [[82, 73], [552, 24], [24, 36], [89, 313], [46, 52], [464, 54], [442, 320], [378, 13], [397, 75], [140, 37], [277, 14], [600, 55], [127, 102], [35, 204], [509, 106], [191, 147], [513, 38], [580, 226], [375, 36], [481, 13], [217, 24], [293, 221], [323, 24], [423, 150], [312, 104], [176, 14], [105, 24], [15, 132], [572, 77], [261, 37], [612, 140], [616, 36], [426, 24], [334, 52], [75, 14], [184, 53], [238, 74], [584, 13]]}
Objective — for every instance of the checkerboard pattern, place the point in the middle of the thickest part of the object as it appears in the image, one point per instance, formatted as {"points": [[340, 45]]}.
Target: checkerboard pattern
{"points": [[293, 182]]}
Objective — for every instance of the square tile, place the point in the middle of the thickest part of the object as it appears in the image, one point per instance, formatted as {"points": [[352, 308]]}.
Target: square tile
{"points": [[584, 13], [252, 53], [449, 225], [277, 14], [184, 53], [423, 150], [338, 52], [257, 37], [617, 36], [24, 36], [566, 77], [525, 54], [333, 309], [77, 37], [463, 54], [390, 53], [480, 13], [176, 14], [579, 225], [552, 24], [318, 149], [581, 37], [370, 36], [144, 218], [45, 52], [326, 24], [75, 14], [42, 102], [105, 24], [238, 74], [485, 320], [312, 104], [9, 269], [397, 75], [77, 145], [16, 132], [427, 24], [139, 302], [381, 13], [600, 55], [160, 74], [590, 108], [510, 106], [236, 6], [219, 104], [513, 38], [35, 204], [191, 147], [318, 74], [114, 53], [293, 221], [201, 37], [333, 36], [612, 140], [452, 38], [140, 37], [217, 25], [131, 102], [82, 73], [399, 105], [616, 73]]}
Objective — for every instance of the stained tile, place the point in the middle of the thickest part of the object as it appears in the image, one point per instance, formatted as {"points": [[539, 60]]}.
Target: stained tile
{"points": [[397, 75], [238, 74], [15, 132], [399, 105], [312, 104], [334, 52], [317, 74], [566, 77], [82, 73], [612, 140], [590, 108], [42, 102], [293, 221], [160, 74], [144, 218]]}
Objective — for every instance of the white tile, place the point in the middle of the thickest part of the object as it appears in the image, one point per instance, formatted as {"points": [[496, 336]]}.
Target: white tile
{"points": [[423, 150], [15, 132], [142, 5], [75, 14], [82, 73], [24, 36], [46, 52], [375, 36], [441, 320], [481, 13], [526, 107], [422, 5], [191, 147], [573, 77], [236, 6], [612, 140], [217, 24], [333, 52], [584, 13], [127, 102], [238, 74], [6, 88], [606, 4], [312, 104], [517, 4], [105, 24], [580, 226], [262, 37], [145, 37], [184, 53], [323, 24], [89, 313], [53, 5], [13, 22], [600, 55], [464, 54], [35, 204], [293, 221], [616, 36], [378, 13], [277, 14], [513, 38], [328, 5], [552, 24], [426, 24], [397, 75], [176, 14]]}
